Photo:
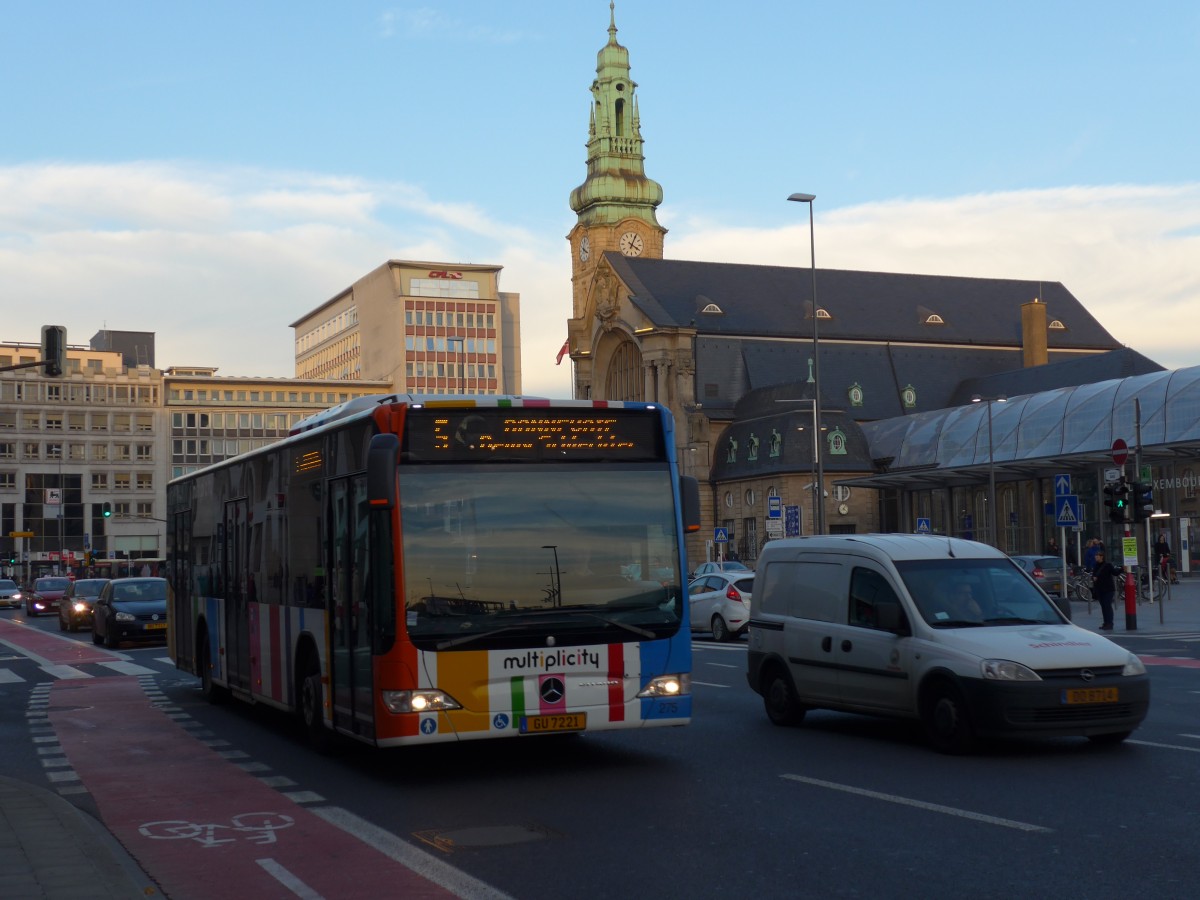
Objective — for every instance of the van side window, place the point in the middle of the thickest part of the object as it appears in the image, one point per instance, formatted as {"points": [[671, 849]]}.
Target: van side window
{"points": [[804, 589], [872, 600]]}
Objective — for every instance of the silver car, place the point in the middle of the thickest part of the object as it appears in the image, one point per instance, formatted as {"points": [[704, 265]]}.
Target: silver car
{"points": [[719, 602], [10, 593]]}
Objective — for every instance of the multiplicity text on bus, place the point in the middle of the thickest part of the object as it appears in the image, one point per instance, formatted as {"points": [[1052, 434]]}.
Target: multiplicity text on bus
{"points": [[407, 569]]}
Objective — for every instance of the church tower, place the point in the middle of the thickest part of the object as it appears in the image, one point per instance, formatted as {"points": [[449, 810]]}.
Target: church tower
{"points": [[616, 202]]}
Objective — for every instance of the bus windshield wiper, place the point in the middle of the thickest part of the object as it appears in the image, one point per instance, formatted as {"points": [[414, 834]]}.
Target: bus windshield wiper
{"points": [[475, 636], [644, 632]]}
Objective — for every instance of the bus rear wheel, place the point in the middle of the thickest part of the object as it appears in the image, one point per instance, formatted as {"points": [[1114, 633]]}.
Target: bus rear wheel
{"points": [[209, 690], [311, 709]]}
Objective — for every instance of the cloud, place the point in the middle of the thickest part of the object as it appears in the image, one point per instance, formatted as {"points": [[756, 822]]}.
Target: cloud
{"points": [[218, 262]]}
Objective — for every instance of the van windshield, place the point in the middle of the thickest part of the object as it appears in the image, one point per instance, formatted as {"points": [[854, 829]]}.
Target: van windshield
{"points": [[972, 593]]}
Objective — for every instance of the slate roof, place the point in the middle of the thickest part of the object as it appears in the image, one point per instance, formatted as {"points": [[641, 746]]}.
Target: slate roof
{"points": [[762, 335], [864, 305]]}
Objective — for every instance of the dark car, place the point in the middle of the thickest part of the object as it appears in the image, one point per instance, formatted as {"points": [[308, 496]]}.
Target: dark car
{"points": [[75, 606], [1047, 571], [130, 609], [45, 594]]}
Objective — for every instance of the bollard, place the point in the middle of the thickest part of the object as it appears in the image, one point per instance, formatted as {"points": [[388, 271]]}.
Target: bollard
{"points": [[1130, 601]]}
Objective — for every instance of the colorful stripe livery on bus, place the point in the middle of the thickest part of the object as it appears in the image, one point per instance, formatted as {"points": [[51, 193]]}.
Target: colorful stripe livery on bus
{"points": [[405, 570]]}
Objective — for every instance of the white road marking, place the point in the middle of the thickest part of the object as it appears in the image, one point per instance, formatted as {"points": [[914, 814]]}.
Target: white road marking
{"points": [[288, 880], [1165, 746], [65, 672], [708, 683], [921, 804], [456, 882], [128, 668]]}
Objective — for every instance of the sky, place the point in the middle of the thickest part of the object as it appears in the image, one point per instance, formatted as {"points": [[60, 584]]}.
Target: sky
{"points": [[213, 171]]}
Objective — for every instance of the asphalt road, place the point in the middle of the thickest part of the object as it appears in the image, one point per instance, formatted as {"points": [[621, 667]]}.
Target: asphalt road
{"points": [[842, 806]]}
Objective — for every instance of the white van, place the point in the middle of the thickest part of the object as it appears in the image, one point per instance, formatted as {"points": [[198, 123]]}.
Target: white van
{"points": [[947, 631]]}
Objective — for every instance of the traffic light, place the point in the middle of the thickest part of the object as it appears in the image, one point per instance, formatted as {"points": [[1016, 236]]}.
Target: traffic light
{"points": [[54, 350], [106, 510], [1116, 498], [1142, 500]]}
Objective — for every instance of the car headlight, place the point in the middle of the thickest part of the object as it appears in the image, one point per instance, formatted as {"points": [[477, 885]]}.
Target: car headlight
{"points": [[427, 700], [667, 686], [125, 617], [79, 607], [1007, 670], [1133, 666]]}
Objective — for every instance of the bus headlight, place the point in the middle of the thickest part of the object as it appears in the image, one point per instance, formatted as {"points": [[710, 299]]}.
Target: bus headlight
{"points": [[427, 700], [667, 686]]}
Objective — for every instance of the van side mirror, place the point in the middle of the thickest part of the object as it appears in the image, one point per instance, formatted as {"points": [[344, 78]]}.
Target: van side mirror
{"points": [[891, 618]]}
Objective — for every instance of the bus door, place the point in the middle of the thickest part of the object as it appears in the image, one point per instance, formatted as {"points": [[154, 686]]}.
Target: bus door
{"points": [[351, 669], [237, 622]]}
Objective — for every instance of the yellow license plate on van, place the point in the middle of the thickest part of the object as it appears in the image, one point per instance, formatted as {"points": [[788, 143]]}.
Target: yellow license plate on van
{"points": [[1090, 695], [552, 723]]}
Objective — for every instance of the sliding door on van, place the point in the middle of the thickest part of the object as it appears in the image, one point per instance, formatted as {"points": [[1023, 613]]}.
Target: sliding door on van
{"points": [[874, 663]]}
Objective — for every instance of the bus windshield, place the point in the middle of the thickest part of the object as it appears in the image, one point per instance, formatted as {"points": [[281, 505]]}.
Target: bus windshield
{"points": [[497, 556]]}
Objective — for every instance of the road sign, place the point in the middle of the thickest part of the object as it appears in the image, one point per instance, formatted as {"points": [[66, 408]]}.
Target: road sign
{"points": [[791, 521], [774, 507], [15, 534], [1062, 485], [720, 536], [1066, 510], [1112, 476], [1120, 452], [924, 526]]}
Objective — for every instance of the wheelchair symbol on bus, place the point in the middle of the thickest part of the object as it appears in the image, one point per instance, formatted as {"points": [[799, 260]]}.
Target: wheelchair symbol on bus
{"points": [[500, 721]]}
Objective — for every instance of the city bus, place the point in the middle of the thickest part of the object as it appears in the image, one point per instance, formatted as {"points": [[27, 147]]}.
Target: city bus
{"points": [[404, 570]]}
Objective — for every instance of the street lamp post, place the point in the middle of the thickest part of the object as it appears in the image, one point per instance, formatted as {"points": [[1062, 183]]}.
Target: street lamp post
{"points": [[991, 498], [812, 250]]}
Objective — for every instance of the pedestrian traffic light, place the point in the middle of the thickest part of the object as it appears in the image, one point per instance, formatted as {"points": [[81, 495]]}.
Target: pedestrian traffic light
{"points": [[54, 350], [106, 510], [1116, 498], [1142, 500]]}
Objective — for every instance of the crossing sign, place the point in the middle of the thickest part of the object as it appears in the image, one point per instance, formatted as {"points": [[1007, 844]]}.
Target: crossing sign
{"points": [[924, 526], [1066, 510], [720, 536]]}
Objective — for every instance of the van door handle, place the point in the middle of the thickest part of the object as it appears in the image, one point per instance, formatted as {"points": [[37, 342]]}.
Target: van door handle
{"points": [[827, 643], [847, 646]]}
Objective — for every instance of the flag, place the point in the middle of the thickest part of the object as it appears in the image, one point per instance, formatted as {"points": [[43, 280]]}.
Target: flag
{"points": [[566, 348]]}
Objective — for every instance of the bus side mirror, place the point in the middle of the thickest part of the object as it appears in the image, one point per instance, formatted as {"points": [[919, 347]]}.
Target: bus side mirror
{"points": [[689, 503], [383, 460]]}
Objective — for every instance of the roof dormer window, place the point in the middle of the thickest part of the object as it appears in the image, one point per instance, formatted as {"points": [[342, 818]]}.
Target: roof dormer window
{"points": [[1057, 325], [934, 319]]}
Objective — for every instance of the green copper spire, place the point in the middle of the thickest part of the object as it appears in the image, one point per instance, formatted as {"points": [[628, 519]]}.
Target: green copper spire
{"points": [[616, 186]]}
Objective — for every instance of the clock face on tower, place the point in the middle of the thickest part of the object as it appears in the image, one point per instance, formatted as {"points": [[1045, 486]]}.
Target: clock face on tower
{"points": [[585, 249], [631, 243]]}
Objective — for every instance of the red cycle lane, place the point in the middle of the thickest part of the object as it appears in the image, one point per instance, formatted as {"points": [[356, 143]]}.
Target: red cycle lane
{"points": [[200, 825], [49, 648]]}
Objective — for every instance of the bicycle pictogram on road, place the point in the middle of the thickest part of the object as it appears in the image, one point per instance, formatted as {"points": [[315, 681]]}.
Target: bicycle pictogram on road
{"points": [[257, 827]]}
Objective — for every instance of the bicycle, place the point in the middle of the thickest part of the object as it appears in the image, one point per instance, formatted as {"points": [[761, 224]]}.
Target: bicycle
{"points": [[1145, 594], [1079, 585]]}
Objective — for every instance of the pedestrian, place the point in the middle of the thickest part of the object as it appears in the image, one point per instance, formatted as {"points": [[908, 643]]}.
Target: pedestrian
{"points": [[1052, 547], [1089, 555], [1162, 553], [1103, 587]]}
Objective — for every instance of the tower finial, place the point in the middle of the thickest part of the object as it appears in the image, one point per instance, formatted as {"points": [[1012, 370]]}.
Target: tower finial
{"points": [[612, 21]]}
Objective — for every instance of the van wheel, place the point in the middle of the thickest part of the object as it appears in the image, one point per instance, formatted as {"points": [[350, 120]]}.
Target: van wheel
{"points": [[720, 631], [947, 722], [779, 700]]}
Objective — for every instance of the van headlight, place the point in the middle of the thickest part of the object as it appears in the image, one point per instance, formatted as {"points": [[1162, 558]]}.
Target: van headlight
{"points": [[667, 686], [428, 700], [1133, 666], [1007, 670]]}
